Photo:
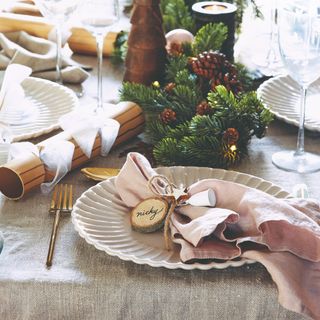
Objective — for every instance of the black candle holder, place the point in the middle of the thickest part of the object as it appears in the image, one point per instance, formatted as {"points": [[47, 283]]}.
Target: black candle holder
{"points": [[214, 12]]}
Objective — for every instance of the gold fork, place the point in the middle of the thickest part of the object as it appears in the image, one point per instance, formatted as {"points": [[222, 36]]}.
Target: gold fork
{"points": [[61, 202]]}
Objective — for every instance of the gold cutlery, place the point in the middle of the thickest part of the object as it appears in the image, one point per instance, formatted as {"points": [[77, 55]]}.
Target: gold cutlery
{"points": [[100, 174], [61, 202]]}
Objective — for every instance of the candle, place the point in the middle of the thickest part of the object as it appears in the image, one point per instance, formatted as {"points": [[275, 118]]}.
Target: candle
{"points": [[216, 8], [215, 12]]}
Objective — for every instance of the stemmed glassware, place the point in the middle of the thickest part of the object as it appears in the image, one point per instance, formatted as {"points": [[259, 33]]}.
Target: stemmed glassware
{"points": [[57, 11], [98, 17], [299, 43], [267, 58]]}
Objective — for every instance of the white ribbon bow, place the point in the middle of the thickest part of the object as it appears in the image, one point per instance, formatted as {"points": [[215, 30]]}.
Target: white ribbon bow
{"points": [[57, 156], [84, 128]]}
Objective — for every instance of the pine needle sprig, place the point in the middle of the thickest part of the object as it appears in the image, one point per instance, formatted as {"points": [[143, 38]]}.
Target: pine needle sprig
{"points": [[176, 14], [210, 37], [168, 152], [155, 130], [206, 126], [186, 99], [144, 96], [221, 100], [174, 66], [209, 146]]}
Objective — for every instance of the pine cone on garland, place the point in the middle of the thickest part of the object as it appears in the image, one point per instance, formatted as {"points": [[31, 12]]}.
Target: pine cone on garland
{"points": [[231, 136], [168, 115], [169, 87], [214, 67], [175, 49], [203, 108]]}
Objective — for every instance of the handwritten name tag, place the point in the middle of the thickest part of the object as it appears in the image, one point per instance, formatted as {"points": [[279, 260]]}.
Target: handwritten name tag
{"points": [[149, 215]]}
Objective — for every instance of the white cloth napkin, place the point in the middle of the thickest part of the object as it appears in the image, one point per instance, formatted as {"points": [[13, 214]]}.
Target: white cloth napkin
{"points": [[11, 93], [40, 55]]}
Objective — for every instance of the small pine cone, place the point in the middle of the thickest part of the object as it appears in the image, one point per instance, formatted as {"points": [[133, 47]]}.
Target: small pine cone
{"points": [[168, 115], [175, 49], [214, 67], [203, 108], [169, 87], [229, 80], [231, 136], [207, 64]]}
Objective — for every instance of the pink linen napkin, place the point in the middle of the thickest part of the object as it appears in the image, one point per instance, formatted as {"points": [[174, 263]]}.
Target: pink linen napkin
{"points": [[282, 234]]}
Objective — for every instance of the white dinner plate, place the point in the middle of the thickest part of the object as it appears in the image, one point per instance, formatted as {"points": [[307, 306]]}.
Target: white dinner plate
{"points": [[102, 219], [282, 96], [48, 101]]}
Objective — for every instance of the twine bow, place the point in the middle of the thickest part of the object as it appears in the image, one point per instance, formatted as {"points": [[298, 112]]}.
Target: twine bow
{"points": [[161, 186]]}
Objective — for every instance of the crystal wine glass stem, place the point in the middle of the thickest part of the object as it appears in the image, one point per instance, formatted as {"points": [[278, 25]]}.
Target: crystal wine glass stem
{"points": [[100, 40], [300, 141], [58, 57]]}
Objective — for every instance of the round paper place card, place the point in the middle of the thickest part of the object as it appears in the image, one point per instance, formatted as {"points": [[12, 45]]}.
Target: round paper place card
{"points": [[149, 215]]}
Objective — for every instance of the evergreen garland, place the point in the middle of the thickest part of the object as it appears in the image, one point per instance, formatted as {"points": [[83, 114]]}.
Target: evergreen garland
{"points": [[187, 122]]}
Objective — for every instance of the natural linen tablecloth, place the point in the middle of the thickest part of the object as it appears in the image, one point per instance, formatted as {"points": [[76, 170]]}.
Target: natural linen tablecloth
{"points": [[85, 283]]}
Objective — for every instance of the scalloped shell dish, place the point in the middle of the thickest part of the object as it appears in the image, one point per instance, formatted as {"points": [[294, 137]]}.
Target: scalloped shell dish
{"points": [[282, 96], [50, 101], [103, 220]]}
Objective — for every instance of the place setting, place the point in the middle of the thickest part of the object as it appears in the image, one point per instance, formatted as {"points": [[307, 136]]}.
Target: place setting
{"points": [[185, 176]]}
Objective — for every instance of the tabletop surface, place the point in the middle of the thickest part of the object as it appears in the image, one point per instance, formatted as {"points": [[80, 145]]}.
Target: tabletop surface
{"points": [[85, 283]]}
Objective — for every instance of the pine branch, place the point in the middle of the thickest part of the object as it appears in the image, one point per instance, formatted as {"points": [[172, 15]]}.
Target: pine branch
{"points": [[210, 37], [167, 152], [184, 77], [174, 66], [221, 100], [176, 14], [186, 100], [201, 150], [144, 96], [206, 126], [156, 130]]}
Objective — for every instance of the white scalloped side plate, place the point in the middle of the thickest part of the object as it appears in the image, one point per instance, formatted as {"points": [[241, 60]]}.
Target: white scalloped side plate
{"points": [[282, 96], [51, 101], [102, 219]]}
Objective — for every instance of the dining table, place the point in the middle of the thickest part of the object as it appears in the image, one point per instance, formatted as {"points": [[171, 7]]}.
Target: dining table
{"points": [[86, 283]]}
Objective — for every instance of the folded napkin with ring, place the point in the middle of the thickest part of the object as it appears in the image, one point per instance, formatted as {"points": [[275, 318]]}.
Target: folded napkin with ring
{"points": [[282, 234]]}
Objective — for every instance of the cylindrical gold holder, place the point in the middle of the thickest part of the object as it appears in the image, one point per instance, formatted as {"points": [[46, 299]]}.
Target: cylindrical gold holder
{"points": [[23, 174], [214, 12]]}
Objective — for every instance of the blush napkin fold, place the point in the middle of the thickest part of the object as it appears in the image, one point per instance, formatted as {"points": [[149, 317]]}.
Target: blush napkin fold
{"points": [[282, 234]]}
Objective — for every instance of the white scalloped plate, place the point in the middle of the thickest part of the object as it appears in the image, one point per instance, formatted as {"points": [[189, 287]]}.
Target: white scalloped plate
{"points": [[102, 219], [282, 96], [49, 101]]}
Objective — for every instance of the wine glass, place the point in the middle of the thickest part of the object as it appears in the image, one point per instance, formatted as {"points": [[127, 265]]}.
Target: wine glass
{"points": [[267, 57], [58, 12], [98, 17], [299, 43]]}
